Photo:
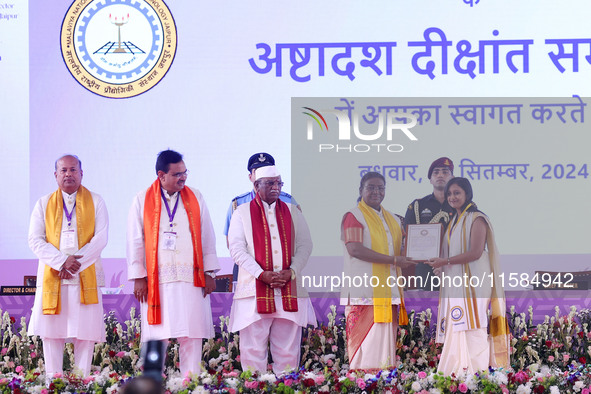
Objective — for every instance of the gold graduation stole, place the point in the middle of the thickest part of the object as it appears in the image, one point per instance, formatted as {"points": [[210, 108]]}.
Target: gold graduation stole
{"points": [[53, 231], [382, 296]]}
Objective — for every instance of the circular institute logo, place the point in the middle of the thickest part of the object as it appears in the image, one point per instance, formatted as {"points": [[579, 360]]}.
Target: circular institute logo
{"points": [[457, 313], [118, 48]]}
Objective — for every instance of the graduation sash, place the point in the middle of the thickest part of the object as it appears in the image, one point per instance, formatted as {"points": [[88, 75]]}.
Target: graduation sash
{"points": [[152, 211], [382, 296], [51, 297], [465, 312], [263, 254]]}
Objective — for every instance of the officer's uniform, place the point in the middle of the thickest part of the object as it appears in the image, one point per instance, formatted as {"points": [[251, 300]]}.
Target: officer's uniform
{"points": [[422, 211]]}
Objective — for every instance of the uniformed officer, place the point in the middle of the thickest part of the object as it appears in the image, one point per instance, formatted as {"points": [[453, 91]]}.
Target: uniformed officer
{"points": [[433, 208], [255, 161]]}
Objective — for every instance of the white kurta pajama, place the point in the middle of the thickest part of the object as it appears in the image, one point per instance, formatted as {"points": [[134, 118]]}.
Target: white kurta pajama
{"points": [[80, 323], [186, 314], [281, 328]]}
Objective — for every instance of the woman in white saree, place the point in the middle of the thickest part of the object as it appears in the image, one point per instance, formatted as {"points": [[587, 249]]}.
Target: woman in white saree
{"points": [[469, 269]]}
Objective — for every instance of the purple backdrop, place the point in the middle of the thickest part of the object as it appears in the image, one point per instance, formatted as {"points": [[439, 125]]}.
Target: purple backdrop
{"points": [[543, 302]]}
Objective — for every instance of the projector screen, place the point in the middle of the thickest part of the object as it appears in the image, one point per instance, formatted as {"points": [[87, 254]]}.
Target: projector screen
{"points": [[228, 72]]}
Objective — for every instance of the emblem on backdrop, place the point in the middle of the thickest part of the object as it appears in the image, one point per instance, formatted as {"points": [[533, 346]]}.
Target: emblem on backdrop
{"points": [[118, 48]]}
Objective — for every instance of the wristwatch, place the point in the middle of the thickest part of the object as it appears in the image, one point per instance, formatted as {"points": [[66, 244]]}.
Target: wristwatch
{"points": [[211, 274]]}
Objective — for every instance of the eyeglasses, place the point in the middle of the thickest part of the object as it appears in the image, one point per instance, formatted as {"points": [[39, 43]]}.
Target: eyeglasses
{"points": [[271, 184], [180, 174], [372, 188]]}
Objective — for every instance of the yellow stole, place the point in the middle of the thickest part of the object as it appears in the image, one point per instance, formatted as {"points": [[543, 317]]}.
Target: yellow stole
{"points": [[53, 231], [498, 325], [382, 296]]}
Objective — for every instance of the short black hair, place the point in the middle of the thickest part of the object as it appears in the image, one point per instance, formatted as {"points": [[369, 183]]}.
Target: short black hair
{"points": [[166, 158], [69, 155]]}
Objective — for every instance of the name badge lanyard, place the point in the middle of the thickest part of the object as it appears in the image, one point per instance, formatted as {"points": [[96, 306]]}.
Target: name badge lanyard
{"points": [[176, 204], [69, 214]]}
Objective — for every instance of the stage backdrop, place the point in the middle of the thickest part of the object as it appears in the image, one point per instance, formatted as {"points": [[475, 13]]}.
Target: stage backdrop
{"points": [[226, 73]]}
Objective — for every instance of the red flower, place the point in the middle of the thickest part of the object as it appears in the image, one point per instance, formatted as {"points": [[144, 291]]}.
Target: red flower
{"points": [[112, 353], [12, 320], [539, 389], [582, 360], [309, 382], [427, 323], [521, 377], [581, 334], [432, 364], [548, 343]]}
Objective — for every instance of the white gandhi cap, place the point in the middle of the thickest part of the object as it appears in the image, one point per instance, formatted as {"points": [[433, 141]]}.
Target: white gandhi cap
{"points": [[266, 172]]}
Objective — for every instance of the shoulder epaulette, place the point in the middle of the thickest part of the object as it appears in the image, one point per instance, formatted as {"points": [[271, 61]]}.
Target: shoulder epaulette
{"points": [[241, 195]]}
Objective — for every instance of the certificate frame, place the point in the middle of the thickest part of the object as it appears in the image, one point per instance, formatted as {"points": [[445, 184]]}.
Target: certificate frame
{"points": [[423, 241]]}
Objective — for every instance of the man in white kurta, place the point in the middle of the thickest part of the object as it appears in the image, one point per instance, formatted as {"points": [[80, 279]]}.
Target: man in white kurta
{"points": [[281, 329], [80, 323], [185, 308]]}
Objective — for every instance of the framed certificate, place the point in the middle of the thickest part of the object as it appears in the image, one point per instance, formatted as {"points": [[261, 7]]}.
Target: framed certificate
{"points": [[423, 241]]}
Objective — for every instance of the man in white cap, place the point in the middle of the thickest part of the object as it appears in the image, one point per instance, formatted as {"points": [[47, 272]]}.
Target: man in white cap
{"points": [[270, 241], [258, 160]]}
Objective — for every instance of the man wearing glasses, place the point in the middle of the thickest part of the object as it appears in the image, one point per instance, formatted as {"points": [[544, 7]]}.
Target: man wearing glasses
{"points": [[172, 259], [433, 208], [270, 241], [255, 161]]}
